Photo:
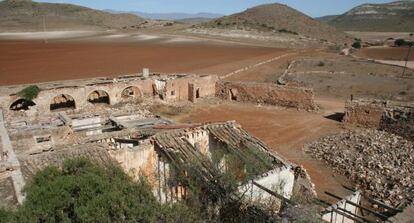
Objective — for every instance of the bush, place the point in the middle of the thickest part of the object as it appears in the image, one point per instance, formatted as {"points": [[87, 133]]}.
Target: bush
{"points": [[357, 45], [399, 42], [287, 31], [29, 93], [85, 192]]}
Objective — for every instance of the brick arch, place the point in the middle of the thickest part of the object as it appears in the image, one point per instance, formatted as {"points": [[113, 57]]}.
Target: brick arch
{"points": [[62, 102], [99, 97], [131, 92]]}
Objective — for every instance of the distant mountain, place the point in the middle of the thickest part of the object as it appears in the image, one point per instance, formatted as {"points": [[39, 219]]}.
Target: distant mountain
{"points": [[194, 20], [278, 18], [390, 17], [25, 15], [170, 16], [327, 18]]}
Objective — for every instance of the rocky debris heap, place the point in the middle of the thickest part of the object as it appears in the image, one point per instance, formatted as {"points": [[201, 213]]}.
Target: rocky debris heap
{"points": [[380, 163]]}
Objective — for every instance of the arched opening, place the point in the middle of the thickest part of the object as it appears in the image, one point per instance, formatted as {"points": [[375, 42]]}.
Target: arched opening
{"points": [[22, 105], [131, 92], [99, 97], [62, 102]]}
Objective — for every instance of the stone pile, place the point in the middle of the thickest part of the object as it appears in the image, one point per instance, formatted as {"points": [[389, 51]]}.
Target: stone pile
{"points": [[380, 163]]}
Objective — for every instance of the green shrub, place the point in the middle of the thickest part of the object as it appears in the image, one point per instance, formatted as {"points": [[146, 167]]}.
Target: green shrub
{"points": [[399, 42], [357, 45], [82, 191], [29, 93]]}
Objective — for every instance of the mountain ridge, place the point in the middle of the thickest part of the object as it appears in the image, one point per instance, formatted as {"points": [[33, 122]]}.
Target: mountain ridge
{"points": [[278, 18], [395, 16], [27, 15]]}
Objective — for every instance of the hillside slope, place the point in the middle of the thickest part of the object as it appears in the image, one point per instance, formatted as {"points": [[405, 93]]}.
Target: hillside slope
{"points": [[278, 18], [25, 15], [391, 17]]}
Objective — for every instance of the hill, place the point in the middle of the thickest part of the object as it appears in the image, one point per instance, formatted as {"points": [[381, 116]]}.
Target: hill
{"points": [[25, 15], [390, 17], [171, 16], [278, 18]]}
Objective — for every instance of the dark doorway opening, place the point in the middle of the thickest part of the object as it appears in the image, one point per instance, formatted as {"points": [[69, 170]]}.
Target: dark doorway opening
{"points": [[99, 97], [21, 105], [198, 93], [63, 102]]}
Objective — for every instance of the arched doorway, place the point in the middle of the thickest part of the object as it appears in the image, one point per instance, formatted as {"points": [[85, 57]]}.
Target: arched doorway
{"points": [[99, 97], [22, 105], [62, 102], [131, 93]]}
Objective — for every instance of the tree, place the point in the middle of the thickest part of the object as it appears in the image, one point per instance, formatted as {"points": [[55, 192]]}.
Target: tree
{"points": [[85, 192]]}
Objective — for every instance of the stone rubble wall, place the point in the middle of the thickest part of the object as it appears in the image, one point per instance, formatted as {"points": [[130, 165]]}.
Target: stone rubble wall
{"points": [[380, 163], [271, 94], [397, 118]]}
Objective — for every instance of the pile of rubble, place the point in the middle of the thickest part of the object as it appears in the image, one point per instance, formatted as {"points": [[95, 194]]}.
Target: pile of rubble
{"points": [[380, 163]]}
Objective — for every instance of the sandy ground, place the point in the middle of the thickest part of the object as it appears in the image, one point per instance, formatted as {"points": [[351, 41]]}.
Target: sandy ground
{"points": [[34, 61], [286, 131]]}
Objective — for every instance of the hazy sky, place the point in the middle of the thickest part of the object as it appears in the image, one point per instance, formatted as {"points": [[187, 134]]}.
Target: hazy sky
{"points": [[312, 8]]}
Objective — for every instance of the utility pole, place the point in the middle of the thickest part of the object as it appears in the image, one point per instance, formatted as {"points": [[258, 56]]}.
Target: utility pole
{"points": [[406, 59], [44, 30]]}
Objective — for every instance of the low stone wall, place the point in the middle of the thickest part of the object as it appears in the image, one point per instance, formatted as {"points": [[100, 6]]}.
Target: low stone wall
{"points": [[394, 117], [272, 94]]}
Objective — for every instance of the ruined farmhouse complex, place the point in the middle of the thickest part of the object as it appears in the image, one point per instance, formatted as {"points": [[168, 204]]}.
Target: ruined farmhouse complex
{"points": [[109, 120]]}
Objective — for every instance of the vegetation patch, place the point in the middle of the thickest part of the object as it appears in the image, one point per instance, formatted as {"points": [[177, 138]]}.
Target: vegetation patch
{"points": [[82, 191], [288, 31], [29, 93]]}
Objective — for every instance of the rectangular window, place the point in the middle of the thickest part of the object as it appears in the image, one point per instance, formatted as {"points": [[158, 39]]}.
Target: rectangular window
{"points": [[172, 93], [43, 139]]}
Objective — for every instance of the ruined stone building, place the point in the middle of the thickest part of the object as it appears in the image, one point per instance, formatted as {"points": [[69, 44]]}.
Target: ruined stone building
{"points": [[103, 119], [390, 116]]}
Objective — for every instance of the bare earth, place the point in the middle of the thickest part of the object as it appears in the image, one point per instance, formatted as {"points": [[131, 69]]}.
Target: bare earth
{"points": [[385, 53], [286, 131], [34, 61]]}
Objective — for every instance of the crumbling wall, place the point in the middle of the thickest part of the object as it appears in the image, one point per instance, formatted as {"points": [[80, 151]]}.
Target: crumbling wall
{"points": [[334, 214], [397, 118], [137, 161], [272, 94]]}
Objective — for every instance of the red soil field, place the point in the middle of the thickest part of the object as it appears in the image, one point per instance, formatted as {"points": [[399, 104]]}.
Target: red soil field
{"points": [[24, 62], [386, 53]]}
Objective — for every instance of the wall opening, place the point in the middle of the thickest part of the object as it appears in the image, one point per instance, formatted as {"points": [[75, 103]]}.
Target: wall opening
{"points": [[43, 139], [172, 93], [62, 102], [233, 94], [99, 97], [198, 93], [131, 92], [21, 105]]}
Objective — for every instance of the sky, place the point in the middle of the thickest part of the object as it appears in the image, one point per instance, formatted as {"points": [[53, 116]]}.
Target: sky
{"points": [[313, 8]]}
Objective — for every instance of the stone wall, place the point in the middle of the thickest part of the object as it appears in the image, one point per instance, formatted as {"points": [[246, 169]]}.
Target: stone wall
{"points": [[394, 117], [272, 94], [177, 88]]}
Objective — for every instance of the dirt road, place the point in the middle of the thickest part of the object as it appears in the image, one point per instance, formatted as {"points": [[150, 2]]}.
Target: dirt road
{"points": [[35, 61], [286, 131]]}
